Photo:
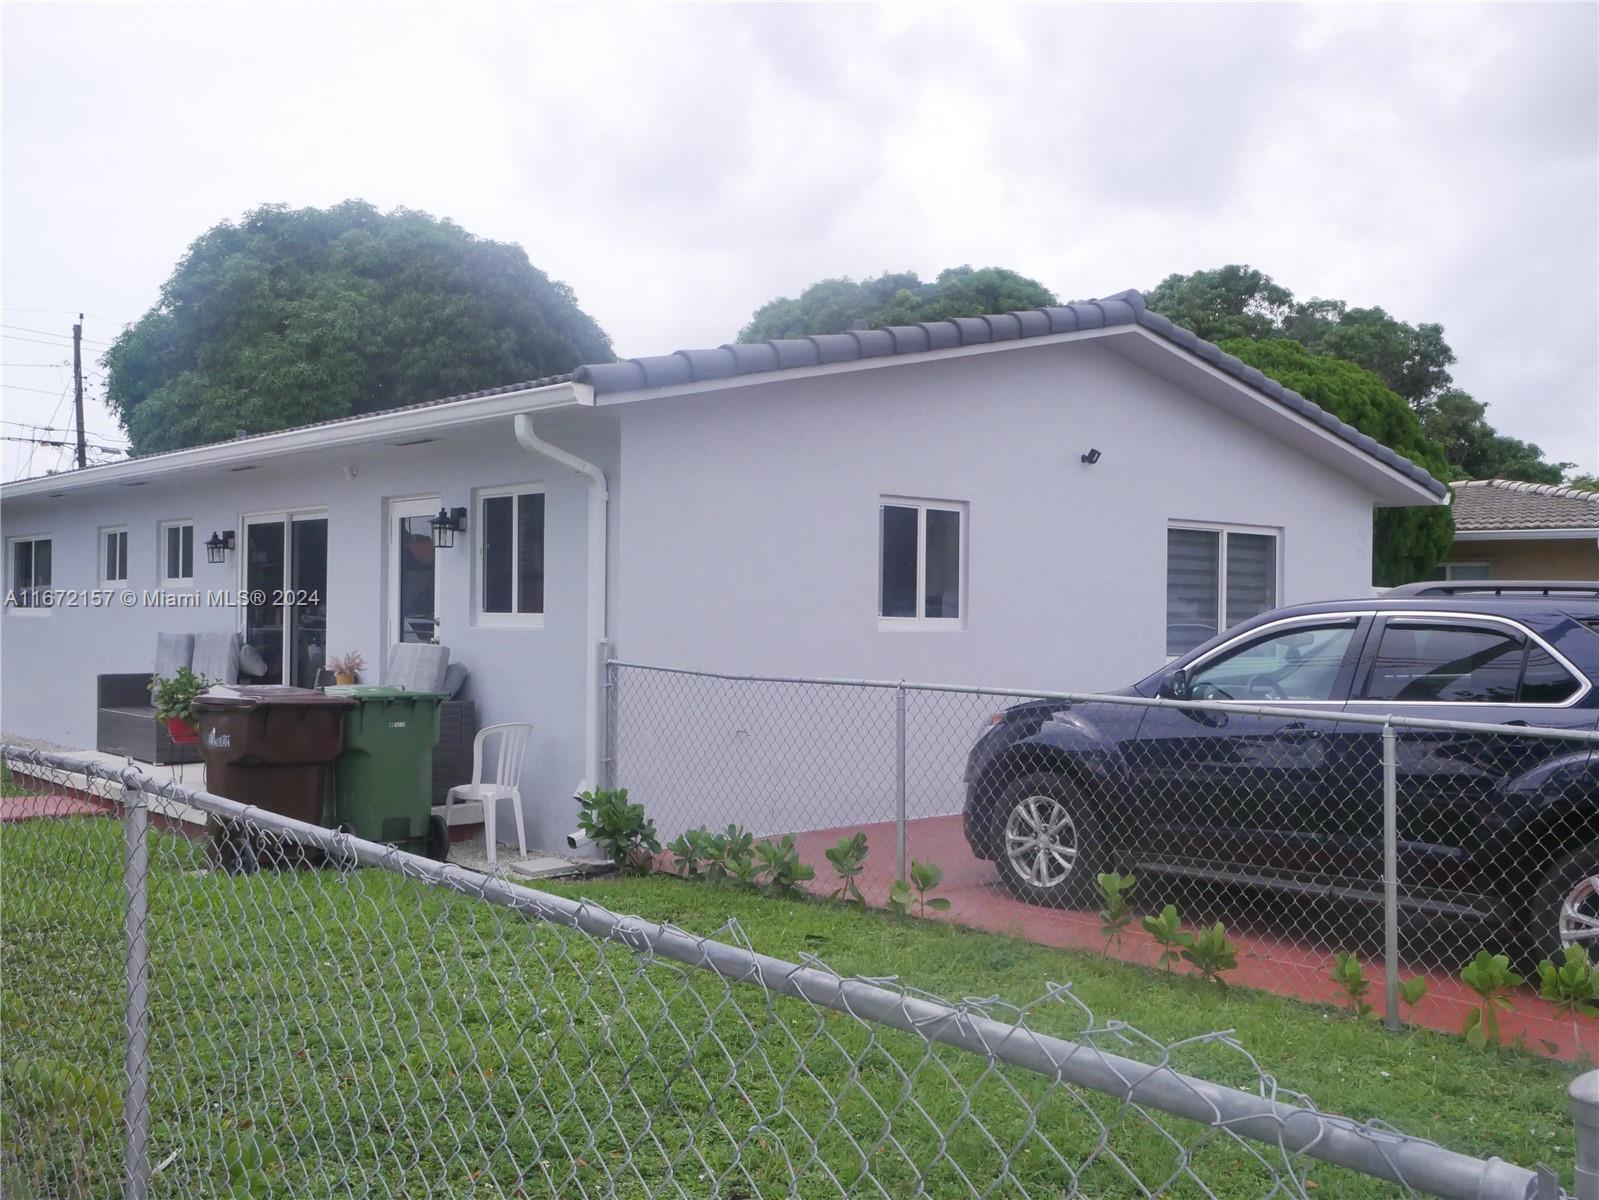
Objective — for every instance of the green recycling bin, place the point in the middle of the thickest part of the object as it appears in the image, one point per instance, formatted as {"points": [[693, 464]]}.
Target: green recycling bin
{"points": [[383, 781]]}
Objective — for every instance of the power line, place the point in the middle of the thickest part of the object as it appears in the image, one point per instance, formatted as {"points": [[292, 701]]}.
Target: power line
{"points": [[17, 387], [17, 337], [48, 333]]}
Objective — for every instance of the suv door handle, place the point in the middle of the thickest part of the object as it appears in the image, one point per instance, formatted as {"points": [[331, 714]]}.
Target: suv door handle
{"points": [[1298, 731]]}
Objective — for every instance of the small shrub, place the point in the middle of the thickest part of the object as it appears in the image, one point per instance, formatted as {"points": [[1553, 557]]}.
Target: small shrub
{"points": [[848, 857], [1117, 914], [689, 849], [1571, 986], [619, 828], [1211, 952], [1167, 930], [1350, 976], [906, 894], [736, 856], [780, 862], [1490, 976]]}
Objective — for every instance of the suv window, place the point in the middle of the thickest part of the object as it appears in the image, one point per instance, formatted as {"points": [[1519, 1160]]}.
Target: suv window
{"points": [[1544, 681], [1446, 664], [1300, 663]]}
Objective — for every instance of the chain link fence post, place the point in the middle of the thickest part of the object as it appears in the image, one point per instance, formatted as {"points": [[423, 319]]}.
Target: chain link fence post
{"points": [[1390, 874], [607, 702], [1584, 1094], [136, 980], [899, 781]]}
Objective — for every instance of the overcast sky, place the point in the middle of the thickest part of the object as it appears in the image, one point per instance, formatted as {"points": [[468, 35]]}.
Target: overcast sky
{"points": [[679, 166]]}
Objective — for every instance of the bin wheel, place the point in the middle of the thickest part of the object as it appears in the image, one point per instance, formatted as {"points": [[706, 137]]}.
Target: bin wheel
{"points": [[438, 846]]}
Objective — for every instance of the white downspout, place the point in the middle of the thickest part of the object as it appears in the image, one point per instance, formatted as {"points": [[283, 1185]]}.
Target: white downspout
{"points": [[599, 498]]}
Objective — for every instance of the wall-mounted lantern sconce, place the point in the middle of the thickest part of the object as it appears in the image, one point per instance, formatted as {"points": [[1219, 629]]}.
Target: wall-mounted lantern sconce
{"points": [[1092, 457], [446, 525], [218, 545]]}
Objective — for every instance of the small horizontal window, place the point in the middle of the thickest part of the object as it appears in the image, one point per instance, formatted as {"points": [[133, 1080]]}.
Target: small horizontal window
{"points": [[1215, 578]]}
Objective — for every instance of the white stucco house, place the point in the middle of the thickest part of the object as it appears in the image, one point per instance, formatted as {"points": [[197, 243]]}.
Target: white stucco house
{"points": [[1056, 498]]}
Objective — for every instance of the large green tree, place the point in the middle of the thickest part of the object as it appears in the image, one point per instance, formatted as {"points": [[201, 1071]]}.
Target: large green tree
{"points": [[1406, 542], [834, 305], [1412, 360], [296, 315]]}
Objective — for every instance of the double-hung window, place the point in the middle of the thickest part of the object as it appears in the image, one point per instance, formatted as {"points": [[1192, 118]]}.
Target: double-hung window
{"points": [[921, 564], [113, 556], [1216, 576], [29, 585], [510, 556], [177, 553]]}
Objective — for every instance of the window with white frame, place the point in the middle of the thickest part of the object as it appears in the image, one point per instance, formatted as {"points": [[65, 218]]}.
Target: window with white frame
{"points": [[1216, 576], [1462, 571], [177, 552], [510, 556], [921, 563], [30, 568], [113, 556]]}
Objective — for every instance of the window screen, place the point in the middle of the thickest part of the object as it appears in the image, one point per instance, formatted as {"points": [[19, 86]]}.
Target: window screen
{"points": [[897, 590], [1193, 578], [498, 552], [943, 563], [1447, 664]]}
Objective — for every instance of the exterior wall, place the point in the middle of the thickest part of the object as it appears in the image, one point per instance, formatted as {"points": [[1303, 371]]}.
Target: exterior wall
{"points": [[47, 686], [751, 528], [1551, 558], [750, 539]]}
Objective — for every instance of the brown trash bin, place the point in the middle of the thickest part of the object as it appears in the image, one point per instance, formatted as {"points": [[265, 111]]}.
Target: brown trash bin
{"points": [[272, 746]]}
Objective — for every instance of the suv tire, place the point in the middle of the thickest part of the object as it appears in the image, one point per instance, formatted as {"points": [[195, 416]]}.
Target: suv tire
{"points": [[1048, 845], [1543, 927]]}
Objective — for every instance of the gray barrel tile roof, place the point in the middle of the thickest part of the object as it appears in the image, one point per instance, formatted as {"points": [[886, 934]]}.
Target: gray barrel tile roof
{"points": [[1124, 308], [1483, 505]]}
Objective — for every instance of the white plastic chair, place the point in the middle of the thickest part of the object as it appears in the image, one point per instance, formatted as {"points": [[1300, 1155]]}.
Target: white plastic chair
{"points": [[510, 746]]}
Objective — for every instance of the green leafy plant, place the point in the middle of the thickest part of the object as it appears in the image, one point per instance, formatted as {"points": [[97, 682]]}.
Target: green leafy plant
{"points": [[780, 862], [1167, 930], [735, 856], [913, 893], [1572, 986], [173, 695], [1211, 952], [1350, 976], [690, 849], [1116, 914], [619, 828], [56, 1105], [1490, 976], [848, 857]]}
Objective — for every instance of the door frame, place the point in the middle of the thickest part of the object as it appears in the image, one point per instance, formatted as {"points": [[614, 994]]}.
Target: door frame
{"points": [[396, 508]]}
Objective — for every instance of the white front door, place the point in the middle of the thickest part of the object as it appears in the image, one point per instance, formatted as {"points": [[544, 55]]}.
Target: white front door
{"points": [[413, 583]]}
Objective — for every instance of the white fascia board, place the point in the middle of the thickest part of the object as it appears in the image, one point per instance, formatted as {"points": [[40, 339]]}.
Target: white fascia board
{"points": [[1525, 535], [376, 427]]}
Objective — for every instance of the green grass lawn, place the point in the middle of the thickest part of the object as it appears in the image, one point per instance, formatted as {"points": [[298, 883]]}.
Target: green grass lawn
{"points": [[363, 1034]]}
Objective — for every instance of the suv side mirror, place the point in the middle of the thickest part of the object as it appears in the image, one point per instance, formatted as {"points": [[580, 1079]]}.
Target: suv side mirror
{"points": [[1176, 686]]}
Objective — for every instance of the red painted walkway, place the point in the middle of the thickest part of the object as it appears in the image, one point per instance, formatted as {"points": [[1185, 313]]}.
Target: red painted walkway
{"points": [[1273, 963], [29, 808]]}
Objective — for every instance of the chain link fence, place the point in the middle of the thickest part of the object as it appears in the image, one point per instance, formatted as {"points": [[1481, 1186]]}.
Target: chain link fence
{"points": [[203, 999], [1412, 844]]}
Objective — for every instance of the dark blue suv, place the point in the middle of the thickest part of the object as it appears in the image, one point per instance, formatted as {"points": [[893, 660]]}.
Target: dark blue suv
{"points": [[1490, 826]]}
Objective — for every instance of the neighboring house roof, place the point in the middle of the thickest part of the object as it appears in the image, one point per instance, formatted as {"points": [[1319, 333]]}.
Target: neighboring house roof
{"points": [[1124, 308], [766, 358], [1490, 505]]}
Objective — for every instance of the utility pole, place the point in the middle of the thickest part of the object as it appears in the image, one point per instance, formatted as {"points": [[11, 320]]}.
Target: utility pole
{"points": [[77, 388]]}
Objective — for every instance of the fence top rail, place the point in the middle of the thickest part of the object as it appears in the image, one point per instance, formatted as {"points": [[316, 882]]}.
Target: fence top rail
{"points": [[1297, 1129], [1288, 709]]}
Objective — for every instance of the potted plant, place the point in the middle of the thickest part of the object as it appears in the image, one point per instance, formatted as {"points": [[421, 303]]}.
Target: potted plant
{"points": [[172, 700], [346, 667]]}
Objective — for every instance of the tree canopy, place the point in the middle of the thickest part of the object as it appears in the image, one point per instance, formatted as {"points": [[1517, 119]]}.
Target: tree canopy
{"points": [[1412, 360], [1406, 542], [297, 315], [834, 305]]}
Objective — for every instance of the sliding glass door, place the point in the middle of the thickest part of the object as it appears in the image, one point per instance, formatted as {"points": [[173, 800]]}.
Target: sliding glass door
{"points": [[286, 578]]}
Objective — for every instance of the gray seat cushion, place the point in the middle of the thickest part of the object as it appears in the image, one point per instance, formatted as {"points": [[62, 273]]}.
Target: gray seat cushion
{"points": [[173, 650], [417, 666], [250, 661], [216, 656], [454, 679]]}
